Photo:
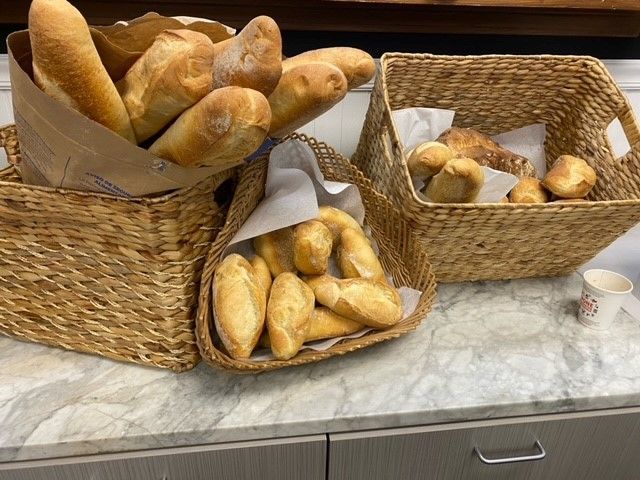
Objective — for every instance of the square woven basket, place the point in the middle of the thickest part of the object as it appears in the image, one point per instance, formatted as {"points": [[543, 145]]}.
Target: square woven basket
{"points": [[574, 96], [401, 255], [101, 274]]}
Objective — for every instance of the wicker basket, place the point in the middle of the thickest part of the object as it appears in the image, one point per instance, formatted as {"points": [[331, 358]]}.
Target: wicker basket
{"points": [[574, 96], [400, 254], [100, 274]]}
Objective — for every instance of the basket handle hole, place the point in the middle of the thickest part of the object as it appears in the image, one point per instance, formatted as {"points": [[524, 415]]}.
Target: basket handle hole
{"points": [[223, 194], [618, 138]]}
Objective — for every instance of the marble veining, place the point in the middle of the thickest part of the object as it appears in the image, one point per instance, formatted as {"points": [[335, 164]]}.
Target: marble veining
{"points": [[489, 349]]}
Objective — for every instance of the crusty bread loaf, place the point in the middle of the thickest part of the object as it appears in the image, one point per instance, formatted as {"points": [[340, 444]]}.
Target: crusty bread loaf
{"points": [[262, 272], [528, 190], [570, 177], [323, 323], [220, 130], [459, 181], [371, 303], [252, 59], [239, 305], [312, 243], [276, 248], [336, 221], [469, 143], [66, 65], [172, 75], [356, 257], [427, 159], [357, 65], [290, 305], [303, 93]]}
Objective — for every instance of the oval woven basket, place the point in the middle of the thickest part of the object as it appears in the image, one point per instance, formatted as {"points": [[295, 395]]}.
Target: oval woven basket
{"points": [[106, 275], [400, 253], [574, 96]]}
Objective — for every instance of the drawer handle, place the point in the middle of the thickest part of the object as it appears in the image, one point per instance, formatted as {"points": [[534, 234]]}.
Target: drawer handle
{"points": [[524, 458]]}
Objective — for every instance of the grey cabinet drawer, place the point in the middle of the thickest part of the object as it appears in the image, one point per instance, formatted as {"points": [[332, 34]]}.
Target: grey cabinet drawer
{"points": [[578, 447], [286, 459]]}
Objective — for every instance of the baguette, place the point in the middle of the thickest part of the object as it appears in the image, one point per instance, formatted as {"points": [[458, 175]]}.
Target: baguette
{"points": [[220, 130], [172, 75], [252, 59], [67, 67], [303, 93], [262, 272], [311, 247], [276, 248], [239, 306], [336, 221], [357, 65], [356, 257], [288, 310]]}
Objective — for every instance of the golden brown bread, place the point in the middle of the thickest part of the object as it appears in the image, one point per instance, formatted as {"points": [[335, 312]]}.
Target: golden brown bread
{"points": [[459, 181], [66, 65], [356, 257], [469, 143], [220, 130], [239, 305], [371, 303], [570, 177], [172, 75], [528, 190], [504, 200], [336, 221], [276, 248], [311, 247], [357, 65], [303, 93], [290, 305], [251, 59], [262, 272], [323, 323], [427, 159]]}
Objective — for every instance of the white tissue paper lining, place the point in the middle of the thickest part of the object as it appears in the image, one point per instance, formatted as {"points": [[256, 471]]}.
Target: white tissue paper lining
{"points": [[419, 125], [293, 190]]}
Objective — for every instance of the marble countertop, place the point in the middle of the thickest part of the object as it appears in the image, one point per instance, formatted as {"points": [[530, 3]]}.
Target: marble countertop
{"points": [[489, 349]]}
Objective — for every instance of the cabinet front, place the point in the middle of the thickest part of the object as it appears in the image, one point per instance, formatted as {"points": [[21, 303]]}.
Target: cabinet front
{"points": [[582, 448]]}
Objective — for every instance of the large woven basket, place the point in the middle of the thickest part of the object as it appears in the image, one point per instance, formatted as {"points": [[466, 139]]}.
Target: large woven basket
{"points": [[400, 254], [101, 274], [574, 96]]}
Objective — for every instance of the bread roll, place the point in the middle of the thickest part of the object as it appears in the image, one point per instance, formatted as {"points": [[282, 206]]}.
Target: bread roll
{"points": [[528, 190], [356, 257], [427, 159], [311, 247], [323, 323], [336, 221], [220, 130], [262, 272], [357, 66], [276, 248], [172, 75], [459, 181], [365, 301], [66, 65], [290, 305], [303, 93], [570, 177], [469, 143], [252, 59], [239, 306]]}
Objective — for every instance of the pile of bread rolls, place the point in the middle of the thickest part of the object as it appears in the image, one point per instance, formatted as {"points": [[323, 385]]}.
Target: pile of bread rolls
{"points": [[451, 169], [189, 100], [284, 296]]}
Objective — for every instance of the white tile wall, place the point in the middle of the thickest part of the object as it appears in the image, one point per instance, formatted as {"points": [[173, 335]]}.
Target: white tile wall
{"points": [[340, 127]]}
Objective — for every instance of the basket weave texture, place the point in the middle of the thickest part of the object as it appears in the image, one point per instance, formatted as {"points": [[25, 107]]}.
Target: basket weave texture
{"points": [[400, 253], [574, 96], [102, 274]]}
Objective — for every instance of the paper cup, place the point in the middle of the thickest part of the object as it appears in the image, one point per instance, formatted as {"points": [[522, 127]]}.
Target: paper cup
{"points": [[603, 293]]}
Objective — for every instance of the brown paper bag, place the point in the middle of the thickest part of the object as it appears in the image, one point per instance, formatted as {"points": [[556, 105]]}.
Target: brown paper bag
{"points": [[62, 148]]}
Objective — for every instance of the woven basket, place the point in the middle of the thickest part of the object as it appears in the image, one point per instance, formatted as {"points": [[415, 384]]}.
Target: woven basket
{"points": [[101, 274], [574, 96], [400, 253]]}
